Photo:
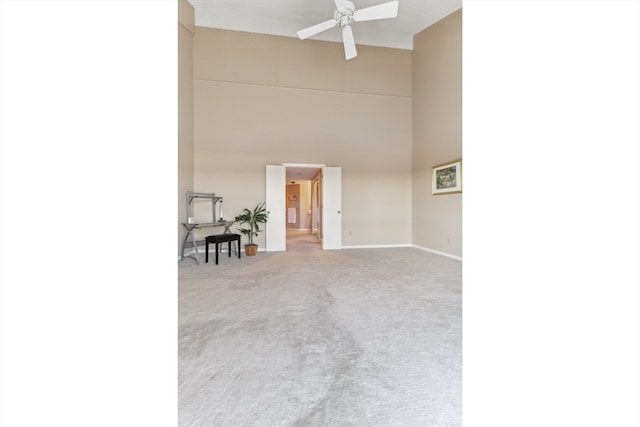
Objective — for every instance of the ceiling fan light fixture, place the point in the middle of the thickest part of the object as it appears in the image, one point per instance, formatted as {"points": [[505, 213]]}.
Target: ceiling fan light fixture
{"points": [[345, 14]]}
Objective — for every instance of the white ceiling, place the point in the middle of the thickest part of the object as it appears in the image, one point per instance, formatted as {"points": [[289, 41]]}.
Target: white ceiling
{"points": [[286, 17]]}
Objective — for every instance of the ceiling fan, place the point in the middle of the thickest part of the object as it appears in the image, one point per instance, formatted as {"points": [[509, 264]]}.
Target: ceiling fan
{"points": [[344, 15]]}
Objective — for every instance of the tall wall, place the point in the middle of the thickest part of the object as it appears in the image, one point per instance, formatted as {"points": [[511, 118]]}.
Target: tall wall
{"points": [[437, 132], [262, 99], [186, 28]]}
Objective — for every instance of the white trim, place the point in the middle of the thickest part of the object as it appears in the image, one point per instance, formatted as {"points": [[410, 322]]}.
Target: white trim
{"points": [[438, 252], [276, 196], [376, 246], [260, 249], [302, 165]]}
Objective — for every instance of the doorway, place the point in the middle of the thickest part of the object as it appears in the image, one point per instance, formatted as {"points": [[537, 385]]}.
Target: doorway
{"points": [[313, 209], [316, 222], [303, 210]]}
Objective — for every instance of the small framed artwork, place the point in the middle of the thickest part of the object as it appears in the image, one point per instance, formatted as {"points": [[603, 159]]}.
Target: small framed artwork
{"points": [[447, 178]]}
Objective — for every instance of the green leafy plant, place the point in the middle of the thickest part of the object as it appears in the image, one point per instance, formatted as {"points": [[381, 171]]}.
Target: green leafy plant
{"points": [[252, 219]]}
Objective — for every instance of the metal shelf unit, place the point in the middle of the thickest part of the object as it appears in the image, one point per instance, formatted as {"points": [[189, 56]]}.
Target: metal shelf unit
{"points": [[192, 224]]}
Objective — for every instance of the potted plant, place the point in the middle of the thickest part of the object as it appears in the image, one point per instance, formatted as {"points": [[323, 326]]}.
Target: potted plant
{"points": [[252, 219]]}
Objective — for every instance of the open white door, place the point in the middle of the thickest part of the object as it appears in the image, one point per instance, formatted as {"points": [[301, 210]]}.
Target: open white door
{"points": [[276, 231], [331, 208]]}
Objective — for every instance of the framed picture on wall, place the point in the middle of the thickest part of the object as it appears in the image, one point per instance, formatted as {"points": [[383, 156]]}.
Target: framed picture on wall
{"points": [[447, 178]]}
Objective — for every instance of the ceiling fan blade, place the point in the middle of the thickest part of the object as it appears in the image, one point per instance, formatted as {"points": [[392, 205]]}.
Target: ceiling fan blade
{"points": [[315, 29], [341, 4], [349, 43], [381, 11]]}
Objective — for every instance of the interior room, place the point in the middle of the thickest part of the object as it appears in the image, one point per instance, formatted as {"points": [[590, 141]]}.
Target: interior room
{"points": [[386, 117], [300, 334], [105, 323]]}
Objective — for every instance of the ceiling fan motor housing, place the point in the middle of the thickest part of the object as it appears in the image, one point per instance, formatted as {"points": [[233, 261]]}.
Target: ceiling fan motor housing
{"points": [[345, 16]]}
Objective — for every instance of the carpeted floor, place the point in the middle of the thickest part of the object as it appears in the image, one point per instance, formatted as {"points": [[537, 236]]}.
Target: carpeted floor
{"points": [[302, 241], [355, 337]]}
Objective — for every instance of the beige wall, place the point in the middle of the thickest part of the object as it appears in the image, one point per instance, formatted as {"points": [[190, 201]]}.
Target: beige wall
{"points": [[386, 117], [262, 100], [437, 132], [186, 28]]}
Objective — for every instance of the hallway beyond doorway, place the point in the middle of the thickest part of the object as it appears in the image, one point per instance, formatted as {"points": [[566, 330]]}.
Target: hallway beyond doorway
{"points": [[302, 241]]}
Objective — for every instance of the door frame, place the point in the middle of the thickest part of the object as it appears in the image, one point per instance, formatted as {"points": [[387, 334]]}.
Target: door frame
{"points": [[276, 194]]}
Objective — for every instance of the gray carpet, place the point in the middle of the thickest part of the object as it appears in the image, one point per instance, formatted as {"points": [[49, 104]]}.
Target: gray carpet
{"points": [[359, 337]]}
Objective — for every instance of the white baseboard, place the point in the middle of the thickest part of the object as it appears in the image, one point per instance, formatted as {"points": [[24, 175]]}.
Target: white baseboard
{"points": [[422, 248], [375, 246], [191, 252]]}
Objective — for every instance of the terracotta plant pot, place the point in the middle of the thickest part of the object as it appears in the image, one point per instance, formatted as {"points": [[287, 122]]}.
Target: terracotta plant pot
{"points": [[251, 250]]}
